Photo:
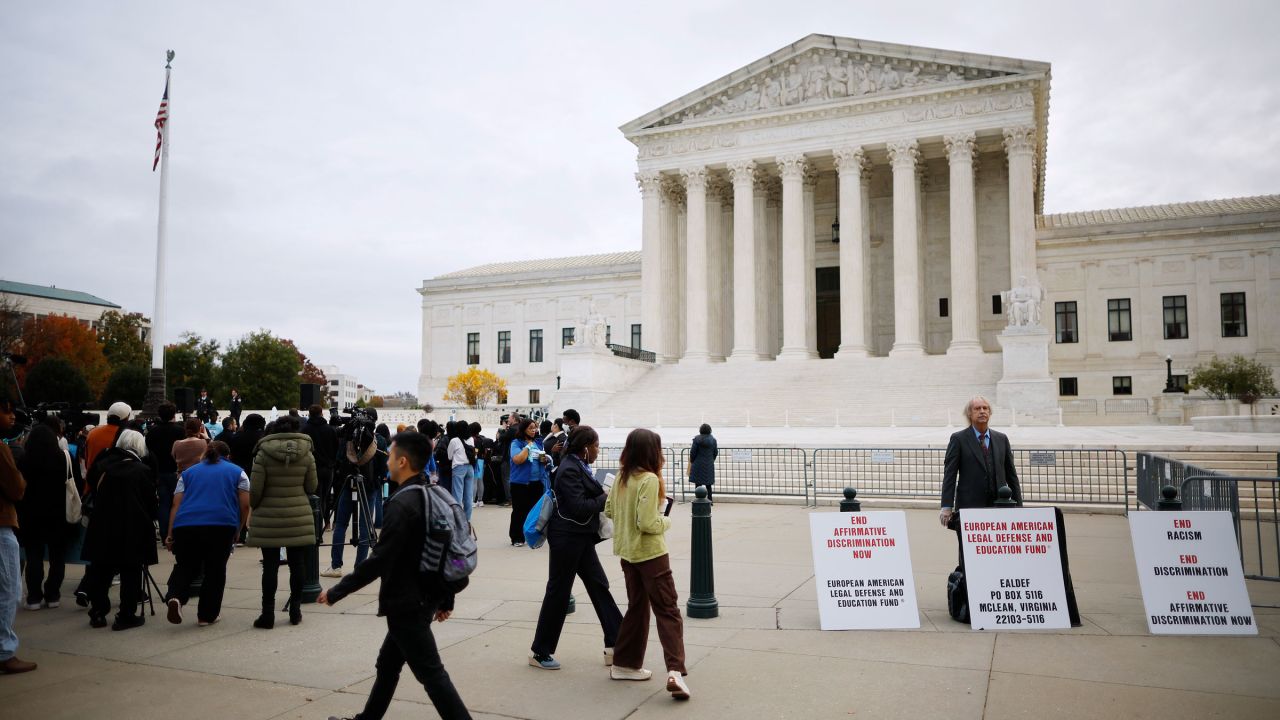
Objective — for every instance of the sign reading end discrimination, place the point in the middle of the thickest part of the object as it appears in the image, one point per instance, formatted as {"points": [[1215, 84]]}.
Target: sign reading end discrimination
{"points": [[862, 569], [1190, 573], [1013, 569]]}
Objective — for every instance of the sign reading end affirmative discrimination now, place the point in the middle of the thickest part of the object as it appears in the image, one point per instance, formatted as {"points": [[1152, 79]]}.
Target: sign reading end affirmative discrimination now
{"points": [[1190, 573], [1013, 569], [862, 569]]}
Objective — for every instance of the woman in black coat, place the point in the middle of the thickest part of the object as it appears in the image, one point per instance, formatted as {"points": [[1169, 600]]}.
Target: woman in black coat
{"points": [[572, 535], [42, 513], [702, 459], [121, 537]]}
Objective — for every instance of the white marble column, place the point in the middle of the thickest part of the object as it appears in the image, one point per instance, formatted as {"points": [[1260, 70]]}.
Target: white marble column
{"points": [[697, 304], [768, 269], [743, 173], [792, 168], [651, 270], [853, 254], [1020, 144], [715, 270], [964, 247], [906, 249], [810, 262], [669, 297], [726, 270]]}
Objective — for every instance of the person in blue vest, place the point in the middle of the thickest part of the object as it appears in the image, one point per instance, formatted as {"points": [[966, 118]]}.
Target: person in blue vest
{"points": [[210, 507]]}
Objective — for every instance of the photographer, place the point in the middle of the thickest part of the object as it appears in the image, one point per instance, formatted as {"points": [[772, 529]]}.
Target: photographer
{"points": [[161, 438], [407, 598], [360, 445]]}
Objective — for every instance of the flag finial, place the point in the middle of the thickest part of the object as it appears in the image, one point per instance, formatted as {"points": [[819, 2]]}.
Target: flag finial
{"points": [[168, 58]]}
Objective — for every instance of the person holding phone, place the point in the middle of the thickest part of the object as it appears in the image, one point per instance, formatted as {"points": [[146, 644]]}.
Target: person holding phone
{"points": [[636, 507]]}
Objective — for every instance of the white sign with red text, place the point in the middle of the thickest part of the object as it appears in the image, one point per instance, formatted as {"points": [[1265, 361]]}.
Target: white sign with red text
{"points": [[1013, 569], [1190, 573], [862, 570]]}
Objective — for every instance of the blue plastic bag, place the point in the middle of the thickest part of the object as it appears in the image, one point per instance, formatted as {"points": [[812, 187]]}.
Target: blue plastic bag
{"points": [[535, 525]]}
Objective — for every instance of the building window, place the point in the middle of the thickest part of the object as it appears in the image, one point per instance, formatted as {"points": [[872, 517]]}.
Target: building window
{"points": [[1175, 317], [535, 397], [1122, 385], [635, 337], [473, 348], [1234, 323], [1180, 382], [1068, 386], [608, 334], [504, 347], [502, 397], [566, 337], [1064, 320], [1118, 320], [996, 307], [535, 346], [943, 310]]}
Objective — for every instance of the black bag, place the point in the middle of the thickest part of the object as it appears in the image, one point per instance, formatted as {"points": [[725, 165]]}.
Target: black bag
{"points": [[958, 596], [444, 466]]}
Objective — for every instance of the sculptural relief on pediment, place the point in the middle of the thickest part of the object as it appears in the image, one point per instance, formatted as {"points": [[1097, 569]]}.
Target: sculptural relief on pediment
{"points": [[820, 76]]}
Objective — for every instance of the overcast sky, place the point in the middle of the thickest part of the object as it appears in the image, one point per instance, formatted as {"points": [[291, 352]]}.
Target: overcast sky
{"points": [[329, 156]]}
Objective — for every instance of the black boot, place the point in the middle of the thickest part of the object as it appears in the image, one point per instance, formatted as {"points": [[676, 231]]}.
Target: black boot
{"points": [[295, 610], [267, 619]]}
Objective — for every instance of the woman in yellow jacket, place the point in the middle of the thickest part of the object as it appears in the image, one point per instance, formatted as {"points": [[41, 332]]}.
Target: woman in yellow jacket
{"points": [[639, 527]]}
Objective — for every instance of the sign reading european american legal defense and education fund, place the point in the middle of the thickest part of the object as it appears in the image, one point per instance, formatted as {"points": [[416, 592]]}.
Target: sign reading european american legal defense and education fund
{"points": [[1190, 573], [862, 569], [1013, 569]]}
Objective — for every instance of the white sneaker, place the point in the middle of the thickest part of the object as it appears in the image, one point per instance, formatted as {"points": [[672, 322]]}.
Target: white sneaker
{"points": [[676, 686], [480, 504], [53, 605], [617, 672], [31, 606], [332, 573], [608, 657]]}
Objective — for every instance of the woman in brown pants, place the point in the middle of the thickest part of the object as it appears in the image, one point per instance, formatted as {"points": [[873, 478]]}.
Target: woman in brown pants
{"points": [[636, 507]]}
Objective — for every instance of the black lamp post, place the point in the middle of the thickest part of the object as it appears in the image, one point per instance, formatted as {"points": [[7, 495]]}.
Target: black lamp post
{"points": [[835, 232], [1168, 375]]}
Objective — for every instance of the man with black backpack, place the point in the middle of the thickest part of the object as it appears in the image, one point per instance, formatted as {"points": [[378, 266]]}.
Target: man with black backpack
{"points": [[409, 598]]}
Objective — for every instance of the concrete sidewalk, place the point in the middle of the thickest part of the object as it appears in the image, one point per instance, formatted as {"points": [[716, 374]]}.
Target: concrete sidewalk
{"points": [[762, 658]]}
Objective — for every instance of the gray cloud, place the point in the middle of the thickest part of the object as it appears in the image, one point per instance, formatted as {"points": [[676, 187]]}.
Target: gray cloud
{"points": [[326, 159]]}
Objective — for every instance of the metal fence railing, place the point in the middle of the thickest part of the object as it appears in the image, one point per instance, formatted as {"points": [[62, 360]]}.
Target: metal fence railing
{"points": [[1254, 504], [1154, 472], [1092, 476], [777, 472]]}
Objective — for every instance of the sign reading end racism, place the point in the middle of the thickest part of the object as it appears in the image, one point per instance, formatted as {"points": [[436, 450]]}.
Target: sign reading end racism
{"points": [[1190, 573], [862, 569], [1013, 569]]}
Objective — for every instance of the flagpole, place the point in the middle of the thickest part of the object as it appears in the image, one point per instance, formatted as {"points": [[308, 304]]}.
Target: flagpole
{"points": [[156, 387]]}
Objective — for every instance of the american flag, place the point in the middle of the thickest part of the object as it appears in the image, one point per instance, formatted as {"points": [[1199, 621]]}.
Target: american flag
{"points": [[161, 118]]}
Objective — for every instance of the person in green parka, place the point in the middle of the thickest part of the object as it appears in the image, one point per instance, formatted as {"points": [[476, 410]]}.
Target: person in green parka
{"points": [[284, 475]]}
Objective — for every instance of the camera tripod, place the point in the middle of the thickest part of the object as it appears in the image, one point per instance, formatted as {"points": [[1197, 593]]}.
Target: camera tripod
{"points": [[362, 510], [145, 598]]}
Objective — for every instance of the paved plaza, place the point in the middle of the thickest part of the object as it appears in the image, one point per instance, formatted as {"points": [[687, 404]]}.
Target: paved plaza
{"points": [[764, 657]]}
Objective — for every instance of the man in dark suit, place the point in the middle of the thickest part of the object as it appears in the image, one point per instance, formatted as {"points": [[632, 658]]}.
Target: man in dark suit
{"points": [[978, 463]]}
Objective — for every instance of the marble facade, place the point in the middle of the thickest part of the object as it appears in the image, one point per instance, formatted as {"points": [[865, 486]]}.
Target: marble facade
{"points": [[931, 165]]}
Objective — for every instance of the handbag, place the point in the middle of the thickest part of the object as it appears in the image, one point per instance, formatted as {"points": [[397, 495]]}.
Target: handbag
{"points": [[73, 508]]}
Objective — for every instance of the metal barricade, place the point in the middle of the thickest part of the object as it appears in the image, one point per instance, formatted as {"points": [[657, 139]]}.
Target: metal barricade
{"points": [[1154, 472], [1072, 476], [609, 457], [1254, 504], [775, 472], [878, 472]]}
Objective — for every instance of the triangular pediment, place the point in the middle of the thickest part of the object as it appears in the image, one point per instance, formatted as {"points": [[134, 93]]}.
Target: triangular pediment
{"points": [[824, 69]]}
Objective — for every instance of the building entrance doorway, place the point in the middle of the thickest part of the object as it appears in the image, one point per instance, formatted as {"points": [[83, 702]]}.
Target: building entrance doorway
{"points": [[828, 285]]}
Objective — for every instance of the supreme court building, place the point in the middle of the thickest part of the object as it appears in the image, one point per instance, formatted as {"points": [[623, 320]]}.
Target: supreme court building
{"points": [[871, 205]]}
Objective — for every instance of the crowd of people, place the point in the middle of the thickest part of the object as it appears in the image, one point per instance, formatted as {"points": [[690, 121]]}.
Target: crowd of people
{"points": [[199, 488]]}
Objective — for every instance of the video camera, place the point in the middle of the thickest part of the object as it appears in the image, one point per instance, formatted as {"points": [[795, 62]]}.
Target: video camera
{"points": [[73, 418]]}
